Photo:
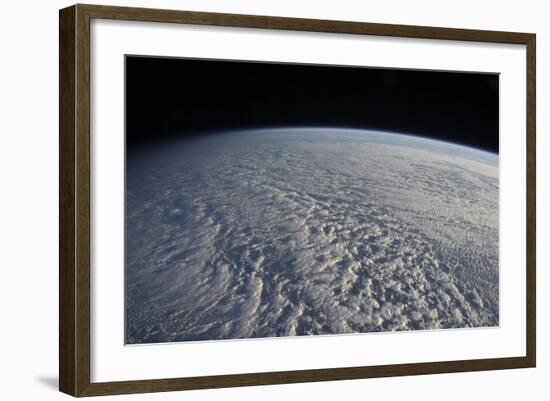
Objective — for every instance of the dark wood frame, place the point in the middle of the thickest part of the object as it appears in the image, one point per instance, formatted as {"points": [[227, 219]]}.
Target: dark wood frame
{"points": [[74, 200]]}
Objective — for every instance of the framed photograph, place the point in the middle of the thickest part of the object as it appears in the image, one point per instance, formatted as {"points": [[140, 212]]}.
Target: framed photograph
{"points": [[250, 200]]}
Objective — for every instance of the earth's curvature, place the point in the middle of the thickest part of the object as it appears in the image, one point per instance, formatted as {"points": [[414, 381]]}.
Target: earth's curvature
{"points": [[298, 231]]}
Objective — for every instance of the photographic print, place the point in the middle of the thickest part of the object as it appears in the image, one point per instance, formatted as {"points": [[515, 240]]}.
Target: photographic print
{"points": [[280, 199]]}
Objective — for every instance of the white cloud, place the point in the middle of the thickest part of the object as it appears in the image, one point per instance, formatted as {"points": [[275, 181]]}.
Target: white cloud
{"points": [[309, 231]]}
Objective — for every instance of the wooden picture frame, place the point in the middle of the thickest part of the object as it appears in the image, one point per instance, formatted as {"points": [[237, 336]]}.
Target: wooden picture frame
{"points": [[74, 206]]}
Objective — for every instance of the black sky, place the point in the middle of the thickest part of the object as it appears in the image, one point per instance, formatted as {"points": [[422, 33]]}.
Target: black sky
{"points": [[173, 96]]}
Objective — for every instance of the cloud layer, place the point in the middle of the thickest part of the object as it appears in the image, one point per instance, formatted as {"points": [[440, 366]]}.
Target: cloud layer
{"points": [[309, 231]]}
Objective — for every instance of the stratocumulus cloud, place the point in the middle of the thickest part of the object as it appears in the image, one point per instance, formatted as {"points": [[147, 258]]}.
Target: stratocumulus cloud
{"points": [[309, 231]]}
